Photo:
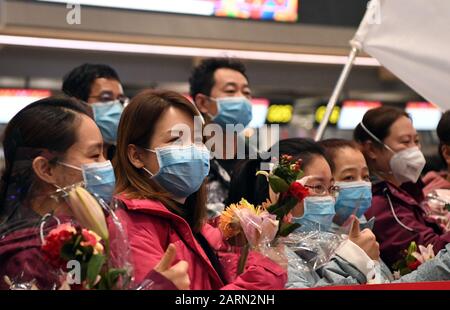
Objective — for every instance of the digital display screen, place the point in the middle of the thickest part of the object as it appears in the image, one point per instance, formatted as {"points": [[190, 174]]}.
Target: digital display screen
{"points": [[280, 113], [260, 106], [14, 100], [352, 113], [272, 10], [424, 115]]}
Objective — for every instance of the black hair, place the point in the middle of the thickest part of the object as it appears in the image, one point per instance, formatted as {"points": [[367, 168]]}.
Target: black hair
{"points": [[333, 146], [78, 82], [245, 183], [378, 121], [202, 81], [47, 126], [443, 132]]}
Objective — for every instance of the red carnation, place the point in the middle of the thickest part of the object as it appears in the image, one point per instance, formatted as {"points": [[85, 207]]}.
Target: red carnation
{"points": [[414, 265], [298, 191], [55, 241]]}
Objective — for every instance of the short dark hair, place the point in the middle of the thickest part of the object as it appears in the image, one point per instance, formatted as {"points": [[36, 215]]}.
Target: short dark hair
{"points": [[443, 132], [47, 126], [333, 146], [78, 82], [378, 121], [245, 183], [443, 128], [202, 81]]}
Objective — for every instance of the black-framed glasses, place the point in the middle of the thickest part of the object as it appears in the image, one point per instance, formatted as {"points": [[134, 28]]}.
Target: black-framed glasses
{"points": [[108, 96]]}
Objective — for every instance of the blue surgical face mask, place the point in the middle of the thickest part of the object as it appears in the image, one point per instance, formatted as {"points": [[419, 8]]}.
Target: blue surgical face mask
{"points": [[182, 169], [318, 213], [107, 117], [354, 198], [233, 111], [98, 178]]}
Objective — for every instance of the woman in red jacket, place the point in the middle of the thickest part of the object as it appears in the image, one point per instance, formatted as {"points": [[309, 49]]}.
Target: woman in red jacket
{"points": [[160, 174], [392, 150], [44, 145]]}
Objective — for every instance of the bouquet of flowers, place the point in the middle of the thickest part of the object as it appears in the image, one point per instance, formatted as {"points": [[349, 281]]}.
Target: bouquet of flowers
{"points": [[437, 207], [80, 249], [284, 180], [83, 246], [257, 227], [412, 258]]}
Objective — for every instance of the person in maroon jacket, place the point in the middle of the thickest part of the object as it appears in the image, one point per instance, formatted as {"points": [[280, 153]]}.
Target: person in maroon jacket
{"points": [[41, 143], [392, 150], [440, 179]]}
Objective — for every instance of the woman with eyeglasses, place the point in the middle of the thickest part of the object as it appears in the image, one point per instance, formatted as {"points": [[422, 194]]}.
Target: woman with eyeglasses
{"points": [[310, 248], [351, 174]]}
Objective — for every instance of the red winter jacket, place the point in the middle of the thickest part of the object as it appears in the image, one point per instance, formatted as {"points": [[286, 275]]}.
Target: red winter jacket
{"points": [[151, 227], [392, 236], [22, 260]]}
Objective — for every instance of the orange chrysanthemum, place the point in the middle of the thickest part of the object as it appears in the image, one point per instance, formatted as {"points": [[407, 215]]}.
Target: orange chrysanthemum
{"points": [[229, 222]]}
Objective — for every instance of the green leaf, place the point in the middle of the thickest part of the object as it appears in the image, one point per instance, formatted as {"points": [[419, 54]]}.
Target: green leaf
{"points": [[282, 208], [67, 252], [93, 269], [287, 228], [412, 248], [113, 275], [299, 175], [272, 208], [277, 184]]}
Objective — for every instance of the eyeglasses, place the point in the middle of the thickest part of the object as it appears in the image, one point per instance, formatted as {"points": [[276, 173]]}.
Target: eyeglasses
{"points": [[107, 97], [321, 190]]}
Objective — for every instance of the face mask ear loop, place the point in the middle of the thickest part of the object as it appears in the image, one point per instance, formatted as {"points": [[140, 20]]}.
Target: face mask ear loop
{"points": [[211, 117], [375, 137], [393, 212], [148, 171], [43, 222]]}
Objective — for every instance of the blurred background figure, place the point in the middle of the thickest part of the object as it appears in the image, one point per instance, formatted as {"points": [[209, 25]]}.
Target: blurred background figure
{"points": [[100, 87]]}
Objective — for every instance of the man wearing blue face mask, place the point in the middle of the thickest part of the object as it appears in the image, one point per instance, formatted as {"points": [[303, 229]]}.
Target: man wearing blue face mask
{"points": [[99, 85], [221, 92]]}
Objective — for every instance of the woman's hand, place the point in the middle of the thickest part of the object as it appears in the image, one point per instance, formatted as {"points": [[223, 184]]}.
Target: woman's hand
{"points": [[178, 273], [365, 239]]}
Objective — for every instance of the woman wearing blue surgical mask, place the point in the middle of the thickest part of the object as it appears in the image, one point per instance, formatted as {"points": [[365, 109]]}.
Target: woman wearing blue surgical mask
{"points": [[351, 176], [50, 144], [310, 249], [391, 147], [161, 167]]}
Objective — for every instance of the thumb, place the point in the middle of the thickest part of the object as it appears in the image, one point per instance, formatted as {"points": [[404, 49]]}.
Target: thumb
{"points": [[354, 229], [167, 259]]}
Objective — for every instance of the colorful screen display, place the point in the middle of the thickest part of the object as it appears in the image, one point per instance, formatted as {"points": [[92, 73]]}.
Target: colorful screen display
{"points": [[272, 10]]}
